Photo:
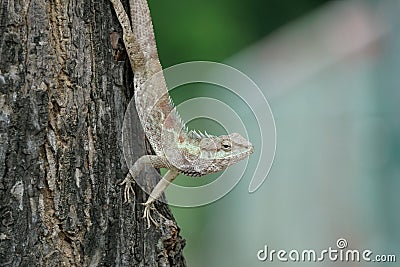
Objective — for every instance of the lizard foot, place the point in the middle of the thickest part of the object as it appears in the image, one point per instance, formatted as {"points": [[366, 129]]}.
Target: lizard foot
{"points": [[147, 215], [128, 188]]}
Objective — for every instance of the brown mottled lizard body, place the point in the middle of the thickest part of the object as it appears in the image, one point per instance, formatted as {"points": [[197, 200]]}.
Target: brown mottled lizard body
{"points": [[177, 149]]}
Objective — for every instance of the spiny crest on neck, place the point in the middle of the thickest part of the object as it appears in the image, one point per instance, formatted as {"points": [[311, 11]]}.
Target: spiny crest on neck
{"points": [[198, 135], [194, 134]]}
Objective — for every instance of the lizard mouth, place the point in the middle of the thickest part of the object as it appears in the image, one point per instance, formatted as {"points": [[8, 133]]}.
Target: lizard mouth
{"points": [[243, 154], [251, 150]]}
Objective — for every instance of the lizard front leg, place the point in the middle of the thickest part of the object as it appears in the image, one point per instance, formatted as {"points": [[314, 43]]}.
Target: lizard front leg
{"points": [[137, 167], [156, 193], [134, 171]]}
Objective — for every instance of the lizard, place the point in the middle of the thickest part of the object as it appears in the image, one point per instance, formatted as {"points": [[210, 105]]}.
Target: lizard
{"points": [[177, 149]]}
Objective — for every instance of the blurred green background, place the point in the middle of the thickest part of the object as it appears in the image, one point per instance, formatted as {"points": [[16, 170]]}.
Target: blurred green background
{"points": [[216, 30], [330, 73]]}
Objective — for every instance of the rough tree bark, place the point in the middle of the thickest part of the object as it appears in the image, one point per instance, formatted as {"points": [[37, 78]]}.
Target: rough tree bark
{"points": [[62, 99]]}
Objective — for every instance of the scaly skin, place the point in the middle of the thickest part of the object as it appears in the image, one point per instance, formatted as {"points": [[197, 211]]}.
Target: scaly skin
{"points": [[177, 149]]}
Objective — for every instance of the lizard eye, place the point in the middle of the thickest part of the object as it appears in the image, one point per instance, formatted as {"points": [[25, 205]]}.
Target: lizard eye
{"points": [[226, 145]]}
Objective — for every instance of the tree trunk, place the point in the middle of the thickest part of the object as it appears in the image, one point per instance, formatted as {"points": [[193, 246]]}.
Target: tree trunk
{"points": [[63, 99]]}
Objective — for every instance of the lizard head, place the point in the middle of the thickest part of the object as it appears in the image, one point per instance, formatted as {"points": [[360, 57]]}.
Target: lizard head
{"points": [[219, 152]]}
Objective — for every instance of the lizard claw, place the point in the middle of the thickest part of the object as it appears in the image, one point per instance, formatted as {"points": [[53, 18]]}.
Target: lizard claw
{"points": [[147, 215], [128, 189]]}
